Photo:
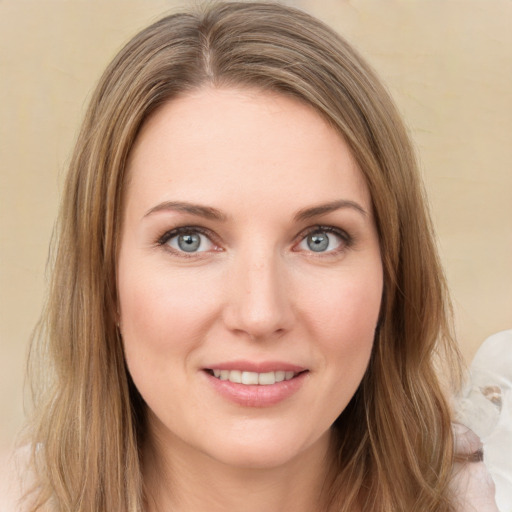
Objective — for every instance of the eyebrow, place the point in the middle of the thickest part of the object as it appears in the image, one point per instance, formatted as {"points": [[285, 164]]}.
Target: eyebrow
{"points": [[194, 209], [211, 213], [323, 209]]}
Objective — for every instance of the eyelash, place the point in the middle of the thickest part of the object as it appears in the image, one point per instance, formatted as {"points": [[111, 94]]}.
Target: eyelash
{"points": [[347, 239], [185, 230]]}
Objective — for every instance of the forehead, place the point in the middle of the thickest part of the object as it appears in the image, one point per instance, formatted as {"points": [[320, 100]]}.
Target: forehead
{"points": [[237, 146]]}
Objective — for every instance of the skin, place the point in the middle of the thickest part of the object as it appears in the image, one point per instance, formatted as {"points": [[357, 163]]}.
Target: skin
{"points": [[255, 291]]}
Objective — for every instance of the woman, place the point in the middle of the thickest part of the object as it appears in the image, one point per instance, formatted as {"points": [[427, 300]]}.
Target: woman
{"points": [[247, 309]]}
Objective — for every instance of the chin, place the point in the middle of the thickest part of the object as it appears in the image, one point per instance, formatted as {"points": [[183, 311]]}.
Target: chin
{"points": [[263, 452]]}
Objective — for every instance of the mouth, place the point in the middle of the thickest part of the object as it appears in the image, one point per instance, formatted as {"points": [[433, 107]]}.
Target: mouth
{"points": [[254, 378], [256, 385]]}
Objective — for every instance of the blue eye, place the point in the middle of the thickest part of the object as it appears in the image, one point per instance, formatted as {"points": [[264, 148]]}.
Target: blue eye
{"points": [[187, 240], [323, 240]]}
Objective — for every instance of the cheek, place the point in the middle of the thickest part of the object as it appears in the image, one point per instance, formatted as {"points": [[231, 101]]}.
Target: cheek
{"points": [[163, 320], [346, 310], [162, 316], [343, 326]]}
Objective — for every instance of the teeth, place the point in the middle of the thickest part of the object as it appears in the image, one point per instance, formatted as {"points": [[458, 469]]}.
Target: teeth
{"points": [[253, 378], [267, 378], [235, 376], [248, 377]]}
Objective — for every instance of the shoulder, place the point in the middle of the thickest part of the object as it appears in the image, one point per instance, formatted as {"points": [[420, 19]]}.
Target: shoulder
{"points": [[13, 480], [10, 485], [472, 484]]}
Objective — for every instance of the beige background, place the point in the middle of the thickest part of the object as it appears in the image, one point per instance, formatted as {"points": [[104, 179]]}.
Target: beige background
{"points": [[448, 64]]}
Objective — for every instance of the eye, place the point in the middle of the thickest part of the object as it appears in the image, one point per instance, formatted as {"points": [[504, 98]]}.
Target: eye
{"points": [[187, 240], [324, 239]]}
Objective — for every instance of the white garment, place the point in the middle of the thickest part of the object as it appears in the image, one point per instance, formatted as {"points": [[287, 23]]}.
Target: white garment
{"points": [[472, 484], [485, 406]]}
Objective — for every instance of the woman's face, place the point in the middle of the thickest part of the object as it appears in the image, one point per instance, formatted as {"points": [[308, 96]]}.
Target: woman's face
{"points": [[249, 276]]}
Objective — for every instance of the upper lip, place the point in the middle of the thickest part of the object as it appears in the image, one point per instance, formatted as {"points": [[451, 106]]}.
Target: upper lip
{"points": [[257, 367]]}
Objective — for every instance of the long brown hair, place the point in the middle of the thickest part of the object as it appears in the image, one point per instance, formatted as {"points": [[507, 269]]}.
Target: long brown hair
{"points": [[393, 443]]}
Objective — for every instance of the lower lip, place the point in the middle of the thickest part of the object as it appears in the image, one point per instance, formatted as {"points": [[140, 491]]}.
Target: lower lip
{"points": [[257, 395]]}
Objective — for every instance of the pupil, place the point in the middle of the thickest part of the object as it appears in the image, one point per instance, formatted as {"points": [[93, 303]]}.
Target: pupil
{"points": [[189, 243], [318, 242]]}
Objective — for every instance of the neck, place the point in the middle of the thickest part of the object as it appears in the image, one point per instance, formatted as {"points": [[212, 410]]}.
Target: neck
{"points": [[181, 481]]}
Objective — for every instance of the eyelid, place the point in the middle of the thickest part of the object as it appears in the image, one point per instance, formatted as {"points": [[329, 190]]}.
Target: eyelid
{"points": [[171, 233], [347, 239]]}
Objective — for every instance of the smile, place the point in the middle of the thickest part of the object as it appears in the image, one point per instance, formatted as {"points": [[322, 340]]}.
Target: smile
{"points": [[263, 388], [253, 378]]}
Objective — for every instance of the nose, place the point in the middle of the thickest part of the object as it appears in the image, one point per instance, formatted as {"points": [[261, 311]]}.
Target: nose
{"points": [[259, 298]]}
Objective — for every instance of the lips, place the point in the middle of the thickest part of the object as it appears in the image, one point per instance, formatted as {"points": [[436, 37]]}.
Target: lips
{"points": [[256, 384]]}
